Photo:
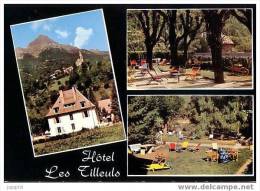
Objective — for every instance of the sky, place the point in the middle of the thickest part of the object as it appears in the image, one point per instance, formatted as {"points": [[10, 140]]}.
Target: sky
{"points": [[84, 30]]}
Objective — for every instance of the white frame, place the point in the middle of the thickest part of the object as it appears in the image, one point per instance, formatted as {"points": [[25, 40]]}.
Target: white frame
{"points": [[197, 175], [112, 66], [183, 88]]}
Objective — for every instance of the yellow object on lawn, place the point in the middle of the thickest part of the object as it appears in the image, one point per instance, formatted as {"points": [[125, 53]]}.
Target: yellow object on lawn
{"points": [[157, 166], [215, 146], [185, 144]]}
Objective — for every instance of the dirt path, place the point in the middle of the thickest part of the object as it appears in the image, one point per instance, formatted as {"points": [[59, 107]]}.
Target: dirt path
{"points": [[242, 169]]}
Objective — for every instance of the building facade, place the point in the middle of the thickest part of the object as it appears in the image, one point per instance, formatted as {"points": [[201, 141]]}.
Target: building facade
{"points": [[71, 112]]}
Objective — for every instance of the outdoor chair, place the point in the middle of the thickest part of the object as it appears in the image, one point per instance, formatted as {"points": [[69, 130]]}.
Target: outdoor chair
{"points": [[170, 133], [224, 156], [163, 62], [247, 141], [196, 148], [178, 148], [144, 68], [135, 148], [184, 145], [133, 63], [154, 77], [193, 73], [160, 73], [241, 139], [181, 136], [212, 155], [233, 152], [244, 141], [160, 162], [215, 146], [143, 61], [172, 147]]}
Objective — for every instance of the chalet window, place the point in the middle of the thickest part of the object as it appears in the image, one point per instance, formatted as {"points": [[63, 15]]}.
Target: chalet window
{"points": [[82, 104], [71, 117], [69, 105], [57, 119], [85, 113], [59, 129], [73, 126], [56, 110]]}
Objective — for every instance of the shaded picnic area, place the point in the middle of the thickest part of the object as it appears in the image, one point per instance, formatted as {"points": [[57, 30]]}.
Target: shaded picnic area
{"points": [[170, 49]]}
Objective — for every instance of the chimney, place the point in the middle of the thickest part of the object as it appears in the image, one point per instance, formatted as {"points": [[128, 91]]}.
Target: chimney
{"points": [[61, 96]]}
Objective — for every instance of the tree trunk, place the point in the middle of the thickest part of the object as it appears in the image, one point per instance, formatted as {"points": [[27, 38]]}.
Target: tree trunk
{"points": [[185, 50], [149, 56], [173, 37], [217, 62], [214, 30], [174, 55]]}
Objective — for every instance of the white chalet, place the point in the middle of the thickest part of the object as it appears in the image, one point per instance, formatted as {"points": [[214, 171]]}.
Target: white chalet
{"points": [[71, 112]]}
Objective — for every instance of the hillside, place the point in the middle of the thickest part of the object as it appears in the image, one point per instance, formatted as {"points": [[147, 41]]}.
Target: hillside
{"points": [[40, 44], [43, 56], [46, 67]]}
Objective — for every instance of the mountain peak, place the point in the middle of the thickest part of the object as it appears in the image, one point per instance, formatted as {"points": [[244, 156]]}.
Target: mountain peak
{"points": [[41, 40], [42, 43]]}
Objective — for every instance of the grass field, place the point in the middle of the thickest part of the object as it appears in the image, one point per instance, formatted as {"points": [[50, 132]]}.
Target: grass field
{"points": [[55, 85], [82, 139], [194, 163]]}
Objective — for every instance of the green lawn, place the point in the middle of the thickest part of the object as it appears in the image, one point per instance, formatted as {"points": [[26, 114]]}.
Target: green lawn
{"points": [[189, 163], [82, 139], [55, 85]]}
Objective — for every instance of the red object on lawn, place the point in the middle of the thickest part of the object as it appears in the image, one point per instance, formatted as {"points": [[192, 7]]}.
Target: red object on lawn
{"points": [[133, 62], [143, 61], [197, 148], [172, 147]]}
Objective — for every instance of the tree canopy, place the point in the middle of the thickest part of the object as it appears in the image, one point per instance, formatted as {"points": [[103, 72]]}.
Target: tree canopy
{"points": [[208, 114]]}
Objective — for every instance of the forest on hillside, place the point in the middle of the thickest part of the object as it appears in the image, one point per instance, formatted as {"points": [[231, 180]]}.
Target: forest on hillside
{"points": [[94, 78], [147, 115]]}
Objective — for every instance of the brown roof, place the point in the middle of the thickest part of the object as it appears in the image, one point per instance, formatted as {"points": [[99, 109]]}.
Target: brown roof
{"points": [[69, 101], [106, 104], [227, 40]]}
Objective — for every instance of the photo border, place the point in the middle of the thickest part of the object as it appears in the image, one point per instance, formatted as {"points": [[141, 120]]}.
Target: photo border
{"points": [[114, 78], [224, 6], [200, 175]]}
